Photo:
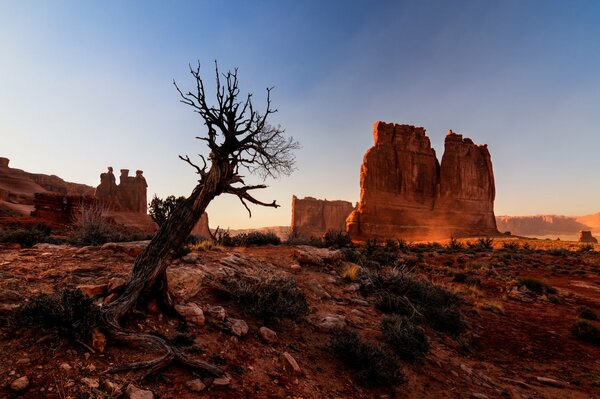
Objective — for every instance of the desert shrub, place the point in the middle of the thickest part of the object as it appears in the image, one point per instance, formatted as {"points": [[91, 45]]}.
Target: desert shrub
{"points": [[537, 286], [401, 292], [336, 239], [587, 313], [255, 238], [460, 277], [454, 245], [371, 365], [408, 340], [28, 236], [268, 297], [586, 248], [586, 331], [351, 272], [91, 228], [160, 210], [485, 243], [511, 245], [558, 251], [69, 314]]}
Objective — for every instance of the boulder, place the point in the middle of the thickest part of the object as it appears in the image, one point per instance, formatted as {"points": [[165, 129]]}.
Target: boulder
{"points": [[20, 384], [191, 312], [133, 392]]}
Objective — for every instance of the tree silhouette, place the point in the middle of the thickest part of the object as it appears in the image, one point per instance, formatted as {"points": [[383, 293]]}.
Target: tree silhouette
{"points": [[240, 140]]}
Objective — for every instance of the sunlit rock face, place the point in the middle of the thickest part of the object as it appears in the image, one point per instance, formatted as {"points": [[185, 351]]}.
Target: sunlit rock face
{"points": [[405, 193], [312, 217]]}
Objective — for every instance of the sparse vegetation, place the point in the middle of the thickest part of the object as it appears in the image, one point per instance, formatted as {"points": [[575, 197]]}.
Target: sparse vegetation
{"points": [[408, 340], [371, 365], [160, 210], [336, 239], [268, 297], [255, 238], [537, 286], [587, 313], [27, 236], [69, 314], [586, 331]]}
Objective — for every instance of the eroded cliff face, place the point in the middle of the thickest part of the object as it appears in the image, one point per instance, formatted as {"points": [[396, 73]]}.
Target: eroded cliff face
{"points": [[312, 217], [405, 193]]}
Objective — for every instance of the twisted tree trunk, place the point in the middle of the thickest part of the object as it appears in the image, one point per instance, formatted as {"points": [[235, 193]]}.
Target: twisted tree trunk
{"points": [[148, 279]]}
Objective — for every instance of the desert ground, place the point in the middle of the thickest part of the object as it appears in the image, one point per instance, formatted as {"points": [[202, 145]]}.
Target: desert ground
{"points": [[517, 302]]}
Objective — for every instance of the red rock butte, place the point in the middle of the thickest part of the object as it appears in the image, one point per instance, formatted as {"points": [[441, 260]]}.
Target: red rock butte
{"points": [[406, 193], [312, 217]]}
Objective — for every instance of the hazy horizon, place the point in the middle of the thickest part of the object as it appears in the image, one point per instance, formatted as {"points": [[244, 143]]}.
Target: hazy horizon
{"points": [[88, 85]]}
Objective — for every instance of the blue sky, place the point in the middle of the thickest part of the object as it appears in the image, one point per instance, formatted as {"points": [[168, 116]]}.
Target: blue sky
{"points": [[84, 85]]}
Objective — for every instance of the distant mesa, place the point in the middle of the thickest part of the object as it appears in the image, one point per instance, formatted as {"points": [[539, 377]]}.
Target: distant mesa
{"points": [[406, 194], [312, 217]]}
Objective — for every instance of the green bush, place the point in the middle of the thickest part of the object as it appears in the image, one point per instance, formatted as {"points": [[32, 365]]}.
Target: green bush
{"points": [[69, 314], [28, 236], [586, 331], [268, 297], [371, 365], [160, 210], [408, 340], [587, 313], [537, 286], [255, 238]]}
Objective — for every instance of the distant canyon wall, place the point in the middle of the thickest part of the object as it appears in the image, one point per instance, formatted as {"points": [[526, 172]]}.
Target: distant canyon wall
{"points": [[312, 217], [406, 193], [543, 225]]}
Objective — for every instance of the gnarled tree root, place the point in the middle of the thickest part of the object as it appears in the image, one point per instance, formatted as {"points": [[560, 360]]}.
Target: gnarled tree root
{"points": [[170, 353]]}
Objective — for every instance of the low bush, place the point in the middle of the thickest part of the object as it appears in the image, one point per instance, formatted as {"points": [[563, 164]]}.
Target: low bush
{"points": [[587, 313], [537, 286], [586, 331], [511, 245], [336, 239], [69, 314], [255, 238], [371, 365], [28, 236], [268, 297], [408, 340], [454, 245]]}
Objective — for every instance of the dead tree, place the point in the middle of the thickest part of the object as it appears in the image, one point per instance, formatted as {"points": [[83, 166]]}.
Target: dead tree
{"points": [[240, 140]]}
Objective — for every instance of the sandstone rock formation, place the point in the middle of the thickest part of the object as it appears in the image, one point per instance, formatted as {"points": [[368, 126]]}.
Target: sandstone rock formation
{"points": [[586, 236], [129, 196], [405, 193], [201, 228], [541, 225], [312, 217]]}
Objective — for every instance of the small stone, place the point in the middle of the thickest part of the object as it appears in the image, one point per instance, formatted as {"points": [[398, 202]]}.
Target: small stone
{"points": [[238, 327], [552, 382], [217, 312], [98, 340], [331, 322], [93, 290], [20, 384], [65, 367], [268, 335], [290, 363], [191, 312], [133, 392], [86, 355], [190, 258], [222, 381], [195, 385], [112, 388], [24, 360], [116, 285], [92, 383], [295, 267], [111, 298]]}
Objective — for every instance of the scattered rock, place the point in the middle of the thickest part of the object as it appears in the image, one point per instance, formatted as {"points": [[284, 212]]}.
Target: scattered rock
{"points": [[290, 363], [133, 248], [318, 290], [191, 312], [185, 282], [116, 285], [237, 326], [24, 360], [268, 335], [331, 322], [222, 381], [195, 385], [317, 256], [552, 382], [91, 383], [217, 312], [112, 388], [295, 267], [111, 298], [190, 258], [98, 340], [20, 384], [93, 290], [133, 392], [65, 367]]}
